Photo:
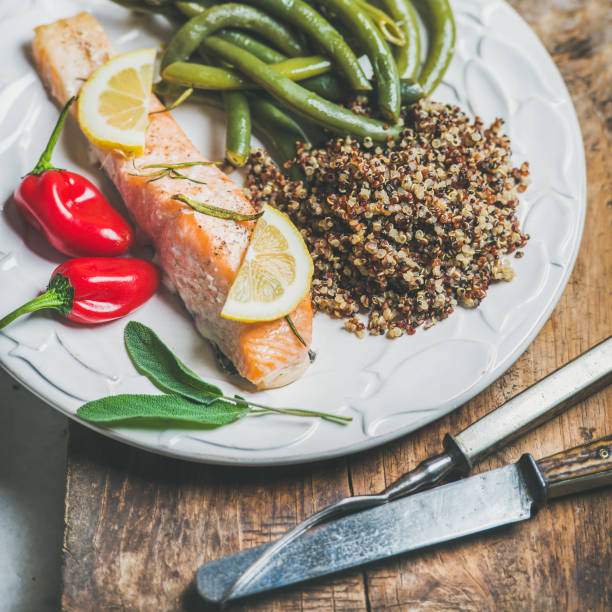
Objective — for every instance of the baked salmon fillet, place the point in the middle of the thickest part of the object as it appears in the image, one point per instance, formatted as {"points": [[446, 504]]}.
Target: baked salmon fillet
{"points": [[199, 254]]}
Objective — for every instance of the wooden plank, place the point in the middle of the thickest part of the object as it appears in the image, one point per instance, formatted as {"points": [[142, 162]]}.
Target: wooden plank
{"points": [[560, 560], [139, 525]]}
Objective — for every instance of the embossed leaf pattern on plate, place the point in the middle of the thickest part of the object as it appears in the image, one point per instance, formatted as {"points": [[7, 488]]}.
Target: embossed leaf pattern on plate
{"points": [[388, 387]]}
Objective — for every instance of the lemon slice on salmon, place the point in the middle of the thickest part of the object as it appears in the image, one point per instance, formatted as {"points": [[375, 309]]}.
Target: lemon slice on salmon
{"points": [[114, 102], [276, 272]]}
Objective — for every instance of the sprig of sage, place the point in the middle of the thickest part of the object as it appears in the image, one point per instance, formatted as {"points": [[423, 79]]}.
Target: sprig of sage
{"points": [[188, 398], [124, 408]]}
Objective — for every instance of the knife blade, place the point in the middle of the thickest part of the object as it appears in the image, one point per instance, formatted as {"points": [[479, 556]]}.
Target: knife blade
{"points": [[556, 392], [492, 499]]}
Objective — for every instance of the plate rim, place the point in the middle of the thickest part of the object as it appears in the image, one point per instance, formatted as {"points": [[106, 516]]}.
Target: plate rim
{"points": [[374, 440]]}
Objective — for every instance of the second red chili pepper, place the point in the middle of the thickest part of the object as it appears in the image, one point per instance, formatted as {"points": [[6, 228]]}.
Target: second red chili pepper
{"points": [[69, 209], [95, 289]]}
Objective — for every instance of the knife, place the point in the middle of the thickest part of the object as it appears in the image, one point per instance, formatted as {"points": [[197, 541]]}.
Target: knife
{"points": [[499, 497], [563, 388]]}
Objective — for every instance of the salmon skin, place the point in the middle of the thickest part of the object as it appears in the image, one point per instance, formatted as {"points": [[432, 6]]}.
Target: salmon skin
{"points": [[200, 254]]}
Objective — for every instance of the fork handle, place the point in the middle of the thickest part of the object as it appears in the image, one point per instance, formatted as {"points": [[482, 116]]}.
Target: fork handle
{"points": [[565, 387]]}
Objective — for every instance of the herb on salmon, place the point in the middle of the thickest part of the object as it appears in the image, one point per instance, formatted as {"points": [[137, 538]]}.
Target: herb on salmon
{"points": [[170, 170], [215, 211], [311, 354]]}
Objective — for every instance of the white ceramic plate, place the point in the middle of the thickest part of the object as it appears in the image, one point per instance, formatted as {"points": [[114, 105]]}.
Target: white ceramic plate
{"points": [[389, 387]]}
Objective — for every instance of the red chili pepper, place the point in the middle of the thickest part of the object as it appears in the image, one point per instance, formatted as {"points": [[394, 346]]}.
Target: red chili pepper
{"points": [[68, 208], [95, 289]]}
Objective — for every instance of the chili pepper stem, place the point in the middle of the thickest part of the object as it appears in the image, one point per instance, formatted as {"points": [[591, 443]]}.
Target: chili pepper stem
{"points": [[44, 163], [49, 299], [59, 295]]}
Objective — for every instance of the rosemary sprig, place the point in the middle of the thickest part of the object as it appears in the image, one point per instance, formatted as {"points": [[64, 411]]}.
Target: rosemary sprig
{"points": [[215, 211], [311, 354], [170, 171]]}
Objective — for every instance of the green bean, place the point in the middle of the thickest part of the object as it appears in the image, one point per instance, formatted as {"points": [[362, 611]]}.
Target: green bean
{"points": [[407, 57], [269, 112], [204, 77], [279, 134], [438, 16], [237, 122], [172, 91], [322, 32], [273, 127], [192, 33], [252, 45], [388, 28], [191, 9], [328, 86], [242, 39], [212, 77], [168, 10], [237, 128], [300, 100], [411, 91], [300, 68], [381, 58]]}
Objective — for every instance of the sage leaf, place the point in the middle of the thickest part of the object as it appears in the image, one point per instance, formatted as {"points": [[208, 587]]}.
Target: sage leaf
{"points": [[116, 409], [158, 363], [189, 399]]}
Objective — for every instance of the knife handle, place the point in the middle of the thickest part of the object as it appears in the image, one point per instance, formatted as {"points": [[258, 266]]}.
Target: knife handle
{"points": [[565, 387], [578, 469], [581, 468]]}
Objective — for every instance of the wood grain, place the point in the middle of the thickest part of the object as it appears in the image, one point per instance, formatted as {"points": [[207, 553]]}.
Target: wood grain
{"points": [[139, 525]]}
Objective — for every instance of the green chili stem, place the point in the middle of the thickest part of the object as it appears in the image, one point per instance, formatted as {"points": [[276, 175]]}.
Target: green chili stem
{"points": [[59, 295], [49, 299], [44, 163]]}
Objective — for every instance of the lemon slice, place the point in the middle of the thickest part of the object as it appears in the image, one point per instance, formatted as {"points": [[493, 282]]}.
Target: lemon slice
{"points": [[275, 274], [114, 102]]}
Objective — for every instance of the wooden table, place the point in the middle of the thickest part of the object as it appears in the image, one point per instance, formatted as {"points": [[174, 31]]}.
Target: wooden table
{"points": [[138, 525]]}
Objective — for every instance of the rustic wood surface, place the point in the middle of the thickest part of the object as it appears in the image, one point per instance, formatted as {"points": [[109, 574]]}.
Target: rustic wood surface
{"points": [[139, 525]]}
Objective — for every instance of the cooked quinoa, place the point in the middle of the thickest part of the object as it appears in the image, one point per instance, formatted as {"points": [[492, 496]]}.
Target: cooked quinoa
{"points": [[406, 231]]}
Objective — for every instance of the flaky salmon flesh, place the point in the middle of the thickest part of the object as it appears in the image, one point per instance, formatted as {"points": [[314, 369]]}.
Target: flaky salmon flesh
{"points": [[199, 254]]}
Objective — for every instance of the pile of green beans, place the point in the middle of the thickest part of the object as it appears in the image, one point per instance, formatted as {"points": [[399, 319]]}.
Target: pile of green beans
{"points": [[281, 64]]}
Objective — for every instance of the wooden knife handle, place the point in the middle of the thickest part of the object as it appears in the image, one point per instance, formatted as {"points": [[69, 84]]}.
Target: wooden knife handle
{"points": [[578, 469]]}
